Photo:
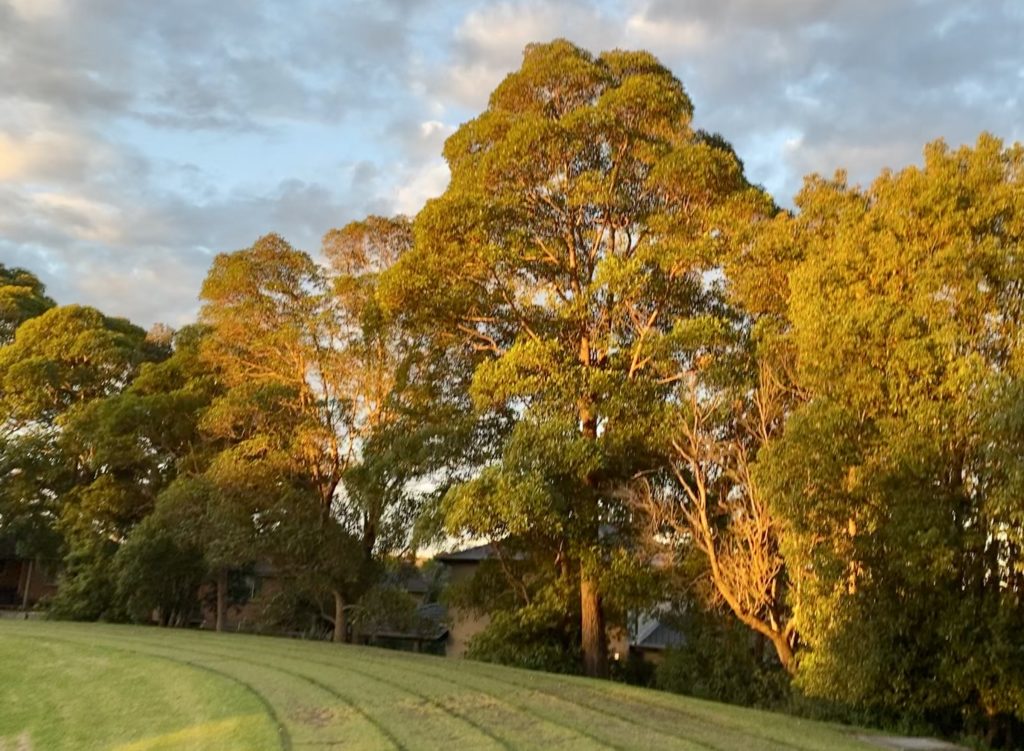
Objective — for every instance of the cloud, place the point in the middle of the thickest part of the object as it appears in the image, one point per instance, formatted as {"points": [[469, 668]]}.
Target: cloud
{"points": [[424, 182], [488, 43], [138, 139], [859, 85], [797, 85]]}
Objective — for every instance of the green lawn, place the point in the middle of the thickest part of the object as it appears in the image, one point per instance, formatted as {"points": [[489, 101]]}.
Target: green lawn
{"points": [[92, 686]]}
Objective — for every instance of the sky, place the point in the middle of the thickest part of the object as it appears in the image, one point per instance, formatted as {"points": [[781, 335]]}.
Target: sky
{"points": [[138, 139]]}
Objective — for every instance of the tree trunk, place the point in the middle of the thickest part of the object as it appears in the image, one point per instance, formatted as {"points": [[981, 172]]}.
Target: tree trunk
{"points": [[340, 624], [784, 651], [222, 597], [595, 647], [28, 585]]}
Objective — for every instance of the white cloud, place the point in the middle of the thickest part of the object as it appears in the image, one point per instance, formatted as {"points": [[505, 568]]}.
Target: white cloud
{"points": [[489, 42], [644, 31], [35, 9], [49, 152], [424, 182]]}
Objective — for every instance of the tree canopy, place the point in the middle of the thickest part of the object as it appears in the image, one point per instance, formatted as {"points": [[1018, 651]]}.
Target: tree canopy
{"points": [[572, 249]]}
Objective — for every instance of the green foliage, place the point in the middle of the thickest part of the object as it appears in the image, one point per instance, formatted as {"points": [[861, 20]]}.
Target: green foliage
{"points": [[22, 296], [67, 356], [157, 570], [67, 361], [387, 609], [87, 588], [539, 635], [905, 315], [721, 660], [127, 448]]}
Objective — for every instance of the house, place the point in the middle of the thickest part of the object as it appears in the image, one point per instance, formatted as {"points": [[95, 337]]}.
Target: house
{"points": [[23, 582], [646, 637], [463, 625], [650, 636], [424, 629]]}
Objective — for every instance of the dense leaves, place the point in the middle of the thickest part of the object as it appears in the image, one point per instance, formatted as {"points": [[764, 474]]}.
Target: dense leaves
{"points": [[571, 252], [904, 322], [22, 296]]}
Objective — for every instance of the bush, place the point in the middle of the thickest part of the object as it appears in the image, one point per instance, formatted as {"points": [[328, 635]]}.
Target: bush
{"points": [[538, 636], [87, 589], [156, 572], [722, 661]]}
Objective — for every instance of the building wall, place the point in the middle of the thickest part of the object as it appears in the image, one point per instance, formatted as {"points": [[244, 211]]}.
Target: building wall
{"points": [[14, 576], [463, 625]]}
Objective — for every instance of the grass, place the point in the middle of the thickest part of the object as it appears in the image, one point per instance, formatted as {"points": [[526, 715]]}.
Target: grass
{"points": [[96, 686]]}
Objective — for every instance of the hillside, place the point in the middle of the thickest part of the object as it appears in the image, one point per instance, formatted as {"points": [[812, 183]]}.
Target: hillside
{"points": [[88, 686]]}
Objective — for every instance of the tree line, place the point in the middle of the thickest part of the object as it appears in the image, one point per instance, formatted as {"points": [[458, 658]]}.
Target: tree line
{"points": [[605, 350]]}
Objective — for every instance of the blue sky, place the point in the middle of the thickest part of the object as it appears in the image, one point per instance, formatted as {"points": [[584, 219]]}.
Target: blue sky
{"points": [[139, 138]]}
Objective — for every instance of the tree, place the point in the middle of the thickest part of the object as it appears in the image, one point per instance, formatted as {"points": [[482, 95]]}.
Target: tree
{"points": [[718, 510], [905, 317], [22, 296], [58, 363], [126, 448], [67, 356], [571, 250], [158, 570], [313, 369], [374, 355], [274, 341]]}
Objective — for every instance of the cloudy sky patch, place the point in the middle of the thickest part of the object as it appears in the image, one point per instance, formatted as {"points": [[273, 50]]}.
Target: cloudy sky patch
{"points": [[138, 139]]}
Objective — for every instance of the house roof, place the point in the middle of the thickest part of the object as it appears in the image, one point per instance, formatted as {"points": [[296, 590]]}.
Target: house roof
{"points": [[656, 635], [414, 583], [430, 625], [468, 555]]}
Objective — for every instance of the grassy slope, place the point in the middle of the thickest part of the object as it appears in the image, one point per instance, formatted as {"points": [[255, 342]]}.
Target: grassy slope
{"points": [[86, 686], [75, 696]]}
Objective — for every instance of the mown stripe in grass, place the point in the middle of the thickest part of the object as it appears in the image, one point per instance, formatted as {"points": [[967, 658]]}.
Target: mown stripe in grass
{"points": [[600, 711], [642, 719], [462, 717], [167, 637], [283, 734], [528, 713], [402, 663], [379, 659], [280, 645], [723, 721], [282, 731], [227, 658]]}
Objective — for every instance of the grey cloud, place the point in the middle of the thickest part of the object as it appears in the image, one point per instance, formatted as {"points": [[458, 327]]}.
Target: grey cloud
{"points": [[855, 85], [797, 85], [107, 223], [152, 268], [190, 64]]}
